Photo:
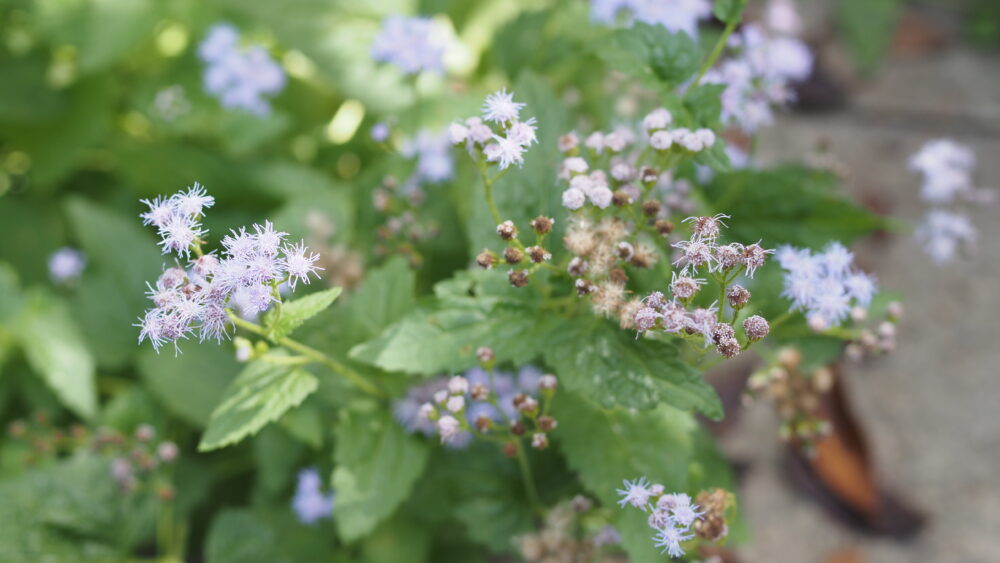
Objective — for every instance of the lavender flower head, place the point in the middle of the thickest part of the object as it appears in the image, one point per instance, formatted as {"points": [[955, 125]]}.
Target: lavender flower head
{"points": [[670, 514], [239, 76], [411, 44], [309, 503], [503, 143], [66, 265], [825, 285], [198, 293]]}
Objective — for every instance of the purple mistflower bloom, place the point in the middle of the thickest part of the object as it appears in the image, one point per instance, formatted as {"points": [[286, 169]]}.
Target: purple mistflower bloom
{"points": [[309, 503], [66, 265], [411, 44]]}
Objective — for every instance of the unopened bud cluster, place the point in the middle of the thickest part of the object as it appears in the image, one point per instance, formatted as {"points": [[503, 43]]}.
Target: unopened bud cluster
{"points": [[672, 515], [134, 461], [796, 395], [876, 336], [480, 403], [702, 254], [520, 260]]}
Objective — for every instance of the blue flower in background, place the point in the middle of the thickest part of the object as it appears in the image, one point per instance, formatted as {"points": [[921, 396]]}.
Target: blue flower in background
{"points": [[309, 503], [239, 76]]}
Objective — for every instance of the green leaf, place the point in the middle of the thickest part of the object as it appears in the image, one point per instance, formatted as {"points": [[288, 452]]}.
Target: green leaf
{"points": [[386, 296], [397, 540], [650, 51], [260, 394], [294, 313], [55, 350], [267, 536], [122, 257], [69, 511], [377, 463], [102, 30], [445, 337], [729, 11], [789, 204], [606, 447], [207, 367], [598, 359], [704, 103]]}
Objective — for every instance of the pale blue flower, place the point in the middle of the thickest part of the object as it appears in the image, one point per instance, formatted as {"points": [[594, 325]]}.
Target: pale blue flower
{"points": [[411, 44], [309, 503]]}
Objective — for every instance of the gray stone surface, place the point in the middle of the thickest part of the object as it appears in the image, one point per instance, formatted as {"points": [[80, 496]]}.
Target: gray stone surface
{"points": [[931, 408]]}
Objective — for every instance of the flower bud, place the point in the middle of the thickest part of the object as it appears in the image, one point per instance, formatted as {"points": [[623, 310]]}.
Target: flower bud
{"points": [[621, 198], [485, 355], [507, 230], [542, 225], [663, 227], [458, 385], [483, 423], [547, 423], [577, 267], [756, 327], [512, 255], [722, 332], [625, 250], [583, 287], [581, 503], [618, 276], [510, 449], [486, 259], [518, 278], [539, 441], [517, 428], [649, 175], [548, 382], [441, 396], [479, 392], [650, 208], [428, 411], [167, 452], [144, 433], [728, 348], [738, 296], [538, 254]]}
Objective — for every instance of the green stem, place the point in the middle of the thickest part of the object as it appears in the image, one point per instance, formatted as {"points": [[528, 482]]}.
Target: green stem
{"points": [[312, 353], [529, 481], [717, 50], [488, 190]]}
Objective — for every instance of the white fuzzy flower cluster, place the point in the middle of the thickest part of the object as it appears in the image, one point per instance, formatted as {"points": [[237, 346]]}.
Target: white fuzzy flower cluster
{"points": [[825, 285], [239, 76], [758, 78], [197, 298], [504, 142], [597, 186], [675, 15], [310, 503], [670, 514], [66, 265], [413, 44], [947, 169]]}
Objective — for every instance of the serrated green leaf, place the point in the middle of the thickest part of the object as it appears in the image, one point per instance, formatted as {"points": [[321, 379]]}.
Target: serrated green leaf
{"points": [[377, 463], [445, 338], [55, 350], [650, 51], [789, 204], [704, 103], [294, 313], [598, 359], [102, 30], [386, 296], [267, 536], [729, 11], [260, 394], [606, 447], [715, 157]]}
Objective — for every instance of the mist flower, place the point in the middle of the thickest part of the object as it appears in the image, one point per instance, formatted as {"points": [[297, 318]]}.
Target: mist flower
{"points": [[66, 265], [309, 503], [824, 285], [240, 76], [412, 44]]}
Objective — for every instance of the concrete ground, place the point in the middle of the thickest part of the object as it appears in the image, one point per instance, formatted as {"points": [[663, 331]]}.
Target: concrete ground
{"points": [[931, 408]]}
